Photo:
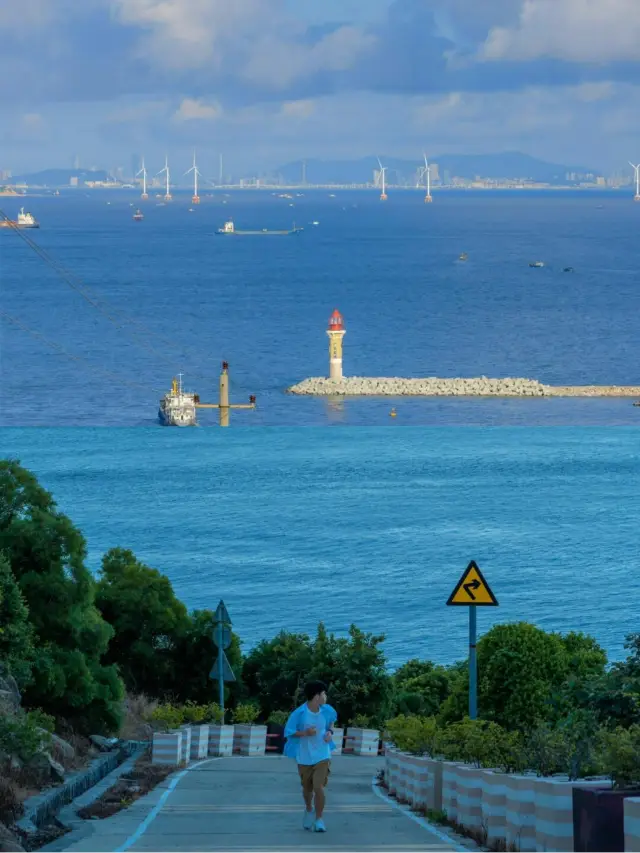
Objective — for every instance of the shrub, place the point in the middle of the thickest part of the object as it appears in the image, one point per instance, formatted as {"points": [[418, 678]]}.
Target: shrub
{"points": [[213, 714], [22, 735], [619, 752], [168, 716], [418, 735], [547, 750], [477, 742], [194, 714], [246, 713], [362, 721], [278, 718]]}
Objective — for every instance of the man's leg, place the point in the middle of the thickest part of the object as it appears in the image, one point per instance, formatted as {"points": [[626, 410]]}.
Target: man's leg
{"points": [[320, 779], [306, 778]]}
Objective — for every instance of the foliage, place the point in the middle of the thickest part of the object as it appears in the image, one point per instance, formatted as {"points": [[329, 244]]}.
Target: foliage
{"points": [[481, 743], [362, 721], [194, 714], [278, 718], [546, 750], [354, 668], [421, 687], [275, 671], [46, 556], [16, 632], [194, 656], [167, 716], [418, 735], [213, 714], [147, 619], [23, 735], [619, 752], [246, 713]]}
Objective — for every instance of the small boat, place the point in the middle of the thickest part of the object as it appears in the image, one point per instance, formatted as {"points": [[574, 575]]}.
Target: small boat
{"points": [[138, 216], [568, 269], [463, 257], [537, 264], [637, 404]]}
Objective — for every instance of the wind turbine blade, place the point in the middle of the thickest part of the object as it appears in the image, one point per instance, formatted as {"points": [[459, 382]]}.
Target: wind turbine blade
{"points": [[379, 163]]}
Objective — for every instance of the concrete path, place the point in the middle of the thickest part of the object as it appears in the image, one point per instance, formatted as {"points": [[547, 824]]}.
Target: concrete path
{"points": [[255, 804]]}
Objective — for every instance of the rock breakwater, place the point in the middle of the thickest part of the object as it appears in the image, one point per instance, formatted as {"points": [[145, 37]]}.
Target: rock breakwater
{"points": [[360, 386]]}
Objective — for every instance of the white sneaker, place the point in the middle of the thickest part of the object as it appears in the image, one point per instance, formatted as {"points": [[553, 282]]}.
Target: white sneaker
{"points": [[309, 820], [319, 826]]}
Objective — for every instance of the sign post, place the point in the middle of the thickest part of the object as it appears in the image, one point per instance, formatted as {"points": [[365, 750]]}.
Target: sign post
{"points": [[221, 670], [472, 591]]}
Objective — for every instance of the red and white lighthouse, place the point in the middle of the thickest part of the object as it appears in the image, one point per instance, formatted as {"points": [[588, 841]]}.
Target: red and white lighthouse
{"points": [[336, 331]]}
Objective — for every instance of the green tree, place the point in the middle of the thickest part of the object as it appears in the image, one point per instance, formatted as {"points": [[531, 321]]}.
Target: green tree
{"points": [[148, 622], [354, 668], [275, 671], [194, 655], [46, 554], [421, 687], [16, 632]]}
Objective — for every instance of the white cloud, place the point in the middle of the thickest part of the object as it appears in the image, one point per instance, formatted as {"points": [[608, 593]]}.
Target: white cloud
{"points": [[192, 109], [572, 30], [298, 109]]}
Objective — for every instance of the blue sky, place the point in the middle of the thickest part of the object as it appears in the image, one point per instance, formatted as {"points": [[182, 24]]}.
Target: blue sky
{"points": [[268, 81]]}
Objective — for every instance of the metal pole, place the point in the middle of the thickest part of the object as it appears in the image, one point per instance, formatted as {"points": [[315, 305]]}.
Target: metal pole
{"points": [[473, 665], [221, 668]]}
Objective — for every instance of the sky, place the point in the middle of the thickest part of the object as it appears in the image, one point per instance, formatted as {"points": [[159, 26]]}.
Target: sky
{"points": [[265, 82]]}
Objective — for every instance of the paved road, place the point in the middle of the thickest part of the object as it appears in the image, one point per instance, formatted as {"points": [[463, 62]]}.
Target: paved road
{"points": [[254, 804]]}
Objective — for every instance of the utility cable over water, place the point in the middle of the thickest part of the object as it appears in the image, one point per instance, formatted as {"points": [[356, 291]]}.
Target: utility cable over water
{"points": [[75, 283], [79, 358]]}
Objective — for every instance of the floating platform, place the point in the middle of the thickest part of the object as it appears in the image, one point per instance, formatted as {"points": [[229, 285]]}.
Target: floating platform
{"points": [[359, 386]]}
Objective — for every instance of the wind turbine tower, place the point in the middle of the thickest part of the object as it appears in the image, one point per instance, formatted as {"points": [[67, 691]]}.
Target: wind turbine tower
{"points": [[427, 176], [195, 198], [143, 172], [383, 175], [167, 195], [636, 169]]}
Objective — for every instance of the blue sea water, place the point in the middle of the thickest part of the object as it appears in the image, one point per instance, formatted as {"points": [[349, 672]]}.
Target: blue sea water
{"points": [[262, 303], [371, 525]]}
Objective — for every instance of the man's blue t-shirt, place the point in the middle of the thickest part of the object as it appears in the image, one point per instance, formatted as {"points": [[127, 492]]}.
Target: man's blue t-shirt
{"points": [[312, 750]]}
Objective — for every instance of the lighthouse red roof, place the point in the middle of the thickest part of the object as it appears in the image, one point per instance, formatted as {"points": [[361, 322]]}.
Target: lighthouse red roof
{"points": [[336, 322]]}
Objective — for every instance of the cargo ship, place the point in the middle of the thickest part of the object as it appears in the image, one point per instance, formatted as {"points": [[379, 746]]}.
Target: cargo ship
{"points": [[178, 408], [24, 220], [229, 228]]}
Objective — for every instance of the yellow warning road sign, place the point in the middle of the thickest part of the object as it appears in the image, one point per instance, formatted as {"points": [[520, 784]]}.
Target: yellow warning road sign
{"points": [[472, 588]]}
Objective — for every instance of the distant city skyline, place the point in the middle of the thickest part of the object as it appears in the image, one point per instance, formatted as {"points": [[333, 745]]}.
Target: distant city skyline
{"points": [[270, 81]]}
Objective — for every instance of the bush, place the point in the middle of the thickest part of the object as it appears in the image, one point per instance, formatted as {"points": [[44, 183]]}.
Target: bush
{"points": [[278, 718], [418, 735], [246, 713], [213, 714], [547, 751], [619, 752], [194, 714], [23, 736], [168, 716], [362, 721]]}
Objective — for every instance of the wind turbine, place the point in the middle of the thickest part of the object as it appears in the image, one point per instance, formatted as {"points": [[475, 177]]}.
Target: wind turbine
{"points": [[636, 169], [427, 173], [143, 172], [167, 196], [383, 173], [195, 199]]}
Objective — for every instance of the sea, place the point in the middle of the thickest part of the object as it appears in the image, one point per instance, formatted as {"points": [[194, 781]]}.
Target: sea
{"points": [[374, 521]]}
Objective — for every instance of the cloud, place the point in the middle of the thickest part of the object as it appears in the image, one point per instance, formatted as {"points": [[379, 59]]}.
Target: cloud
{"points": [[571, 30], [192, 109], [298, 109]]}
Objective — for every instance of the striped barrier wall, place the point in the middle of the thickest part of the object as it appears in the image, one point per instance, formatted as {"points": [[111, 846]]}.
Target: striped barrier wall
{"points": [[199, 742], [362, 742], [632, 824], [521, 812], [494, 805], [166, 748], [423, 782], [221, 740], [186, 744], [554, 812], [469, 796], [249, 740], [392, 769], [338, 739], [450, 789]]}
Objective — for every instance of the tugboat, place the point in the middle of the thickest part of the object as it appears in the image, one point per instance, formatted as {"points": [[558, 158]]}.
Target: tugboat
{"points": [[138, 216], [229, 228], [24, 220]]}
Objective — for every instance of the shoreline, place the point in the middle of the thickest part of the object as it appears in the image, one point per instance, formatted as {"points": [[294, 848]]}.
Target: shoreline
{"points": [[361, 386]]}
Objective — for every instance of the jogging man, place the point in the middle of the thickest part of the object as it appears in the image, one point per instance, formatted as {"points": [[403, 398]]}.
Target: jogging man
{"points": [[309, 733]]}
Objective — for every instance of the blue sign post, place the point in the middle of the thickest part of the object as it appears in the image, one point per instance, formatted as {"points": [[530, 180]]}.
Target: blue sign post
{"points": [[472, 591], [221, 670]]}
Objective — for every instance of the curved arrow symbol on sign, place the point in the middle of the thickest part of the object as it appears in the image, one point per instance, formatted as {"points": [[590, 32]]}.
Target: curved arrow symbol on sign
{"points": [[474, 584]]}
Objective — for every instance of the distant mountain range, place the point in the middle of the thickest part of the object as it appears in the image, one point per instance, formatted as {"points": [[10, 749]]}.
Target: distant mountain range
{"points": [[59, 177], [510, 164]]}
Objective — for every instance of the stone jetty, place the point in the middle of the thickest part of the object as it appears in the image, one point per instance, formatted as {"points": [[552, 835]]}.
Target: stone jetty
{"points": [[361, 386]]}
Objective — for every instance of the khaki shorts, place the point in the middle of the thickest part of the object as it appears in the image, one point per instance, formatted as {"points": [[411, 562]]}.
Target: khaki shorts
{"points": [[314, 776]]}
